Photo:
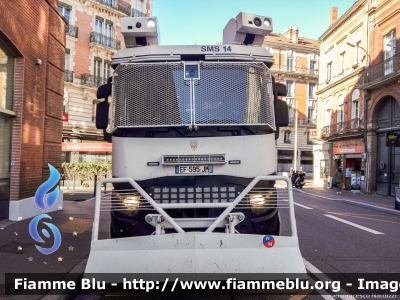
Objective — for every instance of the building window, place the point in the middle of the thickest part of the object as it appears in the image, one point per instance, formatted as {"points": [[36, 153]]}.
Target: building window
{"points": [[310, 115], [94, 109], [311, 90], [289, 63], [7, 64], [286, 138], [329, 71], [355, 96], [340, 109], [289, 88], [342, 61], [389, 51], [139, 5], [390, 44], [97, 66], [106, 69], [99, 26], [66, 12], [309, 142], [313, 64]]}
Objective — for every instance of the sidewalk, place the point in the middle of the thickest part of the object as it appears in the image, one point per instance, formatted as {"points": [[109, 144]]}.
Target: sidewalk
{"points": [[372, 201]]}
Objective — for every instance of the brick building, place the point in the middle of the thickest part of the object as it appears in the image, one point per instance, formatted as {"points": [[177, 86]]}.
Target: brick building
{"points": [[93, 36], [339, 140], [381, 84], [296, 66], [32, 51]]}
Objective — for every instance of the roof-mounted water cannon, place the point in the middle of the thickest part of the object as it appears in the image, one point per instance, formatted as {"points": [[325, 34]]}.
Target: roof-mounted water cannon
{"points": [[139, 31], [247, 29]]}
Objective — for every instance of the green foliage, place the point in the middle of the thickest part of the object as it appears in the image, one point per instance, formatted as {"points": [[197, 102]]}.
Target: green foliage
{"points": [[85, 171]]}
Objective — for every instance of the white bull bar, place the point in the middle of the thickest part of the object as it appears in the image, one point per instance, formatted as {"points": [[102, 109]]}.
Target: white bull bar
{"points": [[195, 252]]}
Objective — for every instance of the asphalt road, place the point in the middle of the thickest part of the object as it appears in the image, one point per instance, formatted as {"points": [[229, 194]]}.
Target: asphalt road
{"points": [[332, 246], [334, 237]]}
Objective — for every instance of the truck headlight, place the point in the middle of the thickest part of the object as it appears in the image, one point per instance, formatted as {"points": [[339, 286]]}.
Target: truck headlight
{"points": [[259, 202], [130, 203]]}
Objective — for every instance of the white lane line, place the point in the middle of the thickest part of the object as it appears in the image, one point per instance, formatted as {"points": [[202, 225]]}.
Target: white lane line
{"points": [[301, 205], [322, 277], [354, 224]]}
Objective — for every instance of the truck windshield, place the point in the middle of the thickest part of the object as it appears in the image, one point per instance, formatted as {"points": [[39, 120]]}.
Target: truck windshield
{"points": [[157, 94]]}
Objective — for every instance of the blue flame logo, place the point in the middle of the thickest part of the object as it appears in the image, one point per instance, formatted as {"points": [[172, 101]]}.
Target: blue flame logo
{"points": [[46, 203]]}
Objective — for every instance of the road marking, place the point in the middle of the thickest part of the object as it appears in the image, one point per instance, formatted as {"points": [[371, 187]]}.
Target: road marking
{"points": [[354, 224], [360, 217], [322, 277], [301, 205]]}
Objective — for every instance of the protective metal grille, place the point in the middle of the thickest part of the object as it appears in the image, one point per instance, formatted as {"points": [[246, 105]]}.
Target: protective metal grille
{"points": [[151, 94], [156, 94], [234, 93]]}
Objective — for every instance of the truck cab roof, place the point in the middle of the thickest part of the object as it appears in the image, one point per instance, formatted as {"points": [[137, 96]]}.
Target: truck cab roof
{"points": [[166, 53]]}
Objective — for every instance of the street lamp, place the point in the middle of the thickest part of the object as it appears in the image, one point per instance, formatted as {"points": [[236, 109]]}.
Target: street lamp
{"points": [[296, 116], [365, 109], [366, 52]]}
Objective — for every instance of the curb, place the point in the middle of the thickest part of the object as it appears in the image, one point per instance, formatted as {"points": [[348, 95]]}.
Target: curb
{"points": [[370, 206]]}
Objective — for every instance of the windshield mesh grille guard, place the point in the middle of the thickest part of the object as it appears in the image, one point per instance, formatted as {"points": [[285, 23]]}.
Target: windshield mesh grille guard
{"points": [[227, 93]]}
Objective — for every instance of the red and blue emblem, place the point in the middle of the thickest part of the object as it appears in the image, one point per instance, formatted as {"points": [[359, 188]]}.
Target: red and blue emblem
{"points": [[268, 241], [193, 144]]}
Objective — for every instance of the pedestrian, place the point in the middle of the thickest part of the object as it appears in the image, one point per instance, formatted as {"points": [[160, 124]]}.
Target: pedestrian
{"points": [[339, 180]]}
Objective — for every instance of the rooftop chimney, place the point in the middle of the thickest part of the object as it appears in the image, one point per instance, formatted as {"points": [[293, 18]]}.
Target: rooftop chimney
{"points": [[334, 11], [288, 33], [295, 35], [292, 34]]}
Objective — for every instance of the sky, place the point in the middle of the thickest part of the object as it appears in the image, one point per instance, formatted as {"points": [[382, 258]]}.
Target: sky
{"points": [[201, 22]]}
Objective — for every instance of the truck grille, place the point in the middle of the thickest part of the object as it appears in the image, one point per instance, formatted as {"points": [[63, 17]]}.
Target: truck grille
{"points": [[221, 194]]}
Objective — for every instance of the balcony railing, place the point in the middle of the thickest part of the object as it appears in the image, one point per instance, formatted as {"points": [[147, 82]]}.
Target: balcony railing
{"points": [[302, 122], [315, 134], [384, 70], [118, 5], [92, 80], [72, 31], [337, 128], [104, 40], [296, 70], [68, 76], [352, 125], [345, 127], [326, 131], [137, 13]]}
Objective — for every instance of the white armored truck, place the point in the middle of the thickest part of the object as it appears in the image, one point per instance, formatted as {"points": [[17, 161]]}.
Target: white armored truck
{"points": [[194, 162]]}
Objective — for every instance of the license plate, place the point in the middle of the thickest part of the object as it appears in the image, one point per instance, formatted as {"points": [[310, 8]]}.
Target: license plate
{"points": [[193, 169]]}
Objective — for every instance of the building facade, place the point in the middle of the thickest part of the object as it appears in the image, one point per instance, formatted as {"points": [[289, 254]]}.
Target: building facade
{"points": [[32, 51], [296, 65], [93, 36], [339, 138], [381, 84]]}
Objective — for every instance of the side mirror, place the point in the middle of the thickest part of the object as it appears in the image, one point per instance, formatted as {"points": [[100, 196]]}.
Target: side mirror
{"points": [[102, 115], [281, 107], [279, 89], [103, 92]]}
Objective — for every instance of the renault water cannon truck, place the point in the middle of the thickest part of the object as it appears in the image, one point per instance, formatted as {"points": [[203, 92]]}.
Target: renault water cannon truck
{"points": [[194, 162]]}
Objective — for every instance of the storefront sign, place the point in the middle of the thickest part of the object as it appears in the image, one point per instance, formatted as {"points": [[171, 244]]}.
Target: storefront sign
{"points": [[86, 147], [349, 150], [65, 117]]}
